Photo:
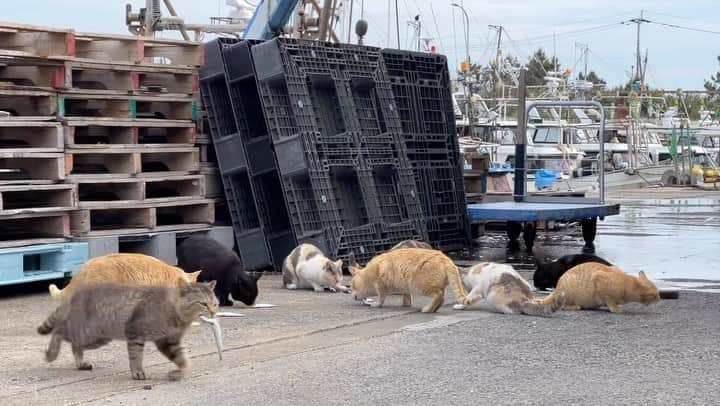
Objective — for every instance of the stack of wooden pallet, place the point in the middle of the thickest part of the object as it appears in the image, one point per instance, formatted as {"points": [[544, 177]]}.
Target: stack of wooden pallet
{"points": [[100, 130]]}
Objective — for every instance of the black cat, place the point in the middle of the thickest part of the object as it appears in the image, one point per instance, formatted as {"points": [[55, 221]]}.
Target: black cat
{"points": [[547, 274], [221, 264]]}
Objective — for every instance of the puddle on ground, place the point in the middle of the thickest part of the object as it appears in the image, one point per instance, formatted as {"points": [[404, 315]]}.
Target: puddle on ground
{"points": [[666, 238]]}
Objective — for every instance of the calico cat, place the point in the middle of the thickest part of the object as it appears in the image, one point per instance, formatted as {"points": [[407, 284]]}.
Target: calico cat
{"points": [[96, 315], [126, 269], [411, 244], [505, 291], [591, 285], [307, 267], [547, 274], [221, 264], [407, 271]]}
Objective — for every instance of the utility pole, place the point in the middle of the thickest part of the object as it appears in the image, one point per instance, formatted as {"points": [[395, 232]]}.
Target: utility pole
{"points": [[350, 21], [397, 24], [498, 56], [638, 61]]}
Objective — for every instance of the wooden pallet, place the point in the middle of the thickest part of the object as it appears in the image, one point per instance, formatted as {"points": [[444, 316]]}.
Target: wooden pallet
{"points": [[35, 228], [207, 149], [24, 199], [111, 107], [96, 77], [28, 40], [213, 182], [138, 218], [30, 136], [139, 161], [31, 40], [31, 167], [36, 105], [124, 192], [121, 134], [140, 50]]}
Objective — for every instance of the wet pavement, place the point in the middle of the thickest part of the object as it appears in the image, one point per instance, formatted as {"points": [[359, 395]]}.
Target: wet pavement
{"points": [[671, 234]]}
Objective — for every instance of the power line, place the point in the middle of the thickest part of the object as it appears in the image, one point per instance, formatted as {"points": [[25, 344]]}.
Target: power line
{"points": [[680, 27]]}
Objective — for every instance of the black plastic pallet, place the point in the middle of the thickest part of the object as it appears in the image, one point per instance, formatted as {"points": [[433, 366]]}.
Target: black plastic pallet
{"points": [[422, 93], [232, 159], [254, 144]]}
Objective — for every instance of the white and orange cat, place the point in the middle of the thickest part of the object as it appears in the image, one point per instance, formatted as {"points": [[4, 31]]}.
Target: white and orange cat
{"points": [[592, 285], [125, 269], [307, 267], [407, 271], [505, 290]]}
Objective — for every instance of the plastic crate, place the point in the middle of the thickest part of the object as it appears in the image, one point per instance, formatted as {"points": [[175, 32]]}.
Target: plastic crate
{"points": [[41, 262], [245, 221], [256, 147]]}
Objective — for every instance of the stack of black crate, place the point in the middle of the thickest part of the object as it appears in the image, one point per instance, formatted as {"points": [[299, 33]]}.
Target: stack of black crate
{"points": [[423, 96], [312, 148]]}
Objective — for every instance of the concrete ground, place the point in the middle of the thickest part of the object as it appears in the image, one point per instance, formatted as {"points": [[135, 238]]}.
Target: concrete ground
{"points": [[324, 348]]}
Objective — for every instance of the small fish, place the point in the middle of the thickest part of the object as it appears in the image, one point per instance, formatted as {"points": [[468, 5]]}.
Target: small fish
{"points": [[217, 333], [262, 305], [229, 314]]}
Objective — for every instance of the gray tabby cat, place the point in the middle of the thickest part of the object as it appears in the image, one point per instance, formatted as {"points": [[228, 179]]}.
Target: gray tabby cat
{"points": [[97, 314]]}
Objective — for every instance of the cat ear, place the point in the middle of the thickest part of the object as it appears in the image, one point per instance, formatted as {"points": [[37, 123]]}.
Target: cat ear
{"points": [[642, 275], [339, 263], [256, 276], [211, 284], [351, 260], [353, 268], [193, 276]]}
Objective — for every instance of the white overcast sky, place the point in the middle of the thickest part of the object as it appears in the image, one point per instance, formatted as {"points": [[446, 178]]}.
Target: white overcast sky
{"points": [[677, 58]]}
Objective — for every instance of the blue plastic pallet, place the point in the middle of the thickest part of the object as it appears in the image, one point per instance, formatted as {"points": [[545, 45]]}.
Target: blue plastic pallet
{"points": [[41, 262]]}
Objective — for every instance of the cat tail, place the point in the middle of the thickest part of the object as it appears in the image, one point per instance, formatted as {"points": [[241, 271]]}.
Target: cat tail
{"points": [[543, 307], [49, 324], [453, 275]]}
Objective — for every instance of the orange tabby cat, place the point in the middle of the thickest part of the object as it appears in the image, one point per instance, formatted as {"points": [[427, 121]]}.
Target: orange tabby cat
{"points": [[407, 271], [591, 285], [127, 269]]}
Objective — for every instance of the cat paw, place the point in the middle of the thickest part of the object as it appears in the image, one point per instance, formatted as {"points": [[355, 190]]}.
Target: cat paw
{"points": [[85, 366], [459, 306], [176, 375], [291, 286], [139, 375], [333, 290], [376, 304], [319, 289], [615, 308], [227, 303], [50, 356]]}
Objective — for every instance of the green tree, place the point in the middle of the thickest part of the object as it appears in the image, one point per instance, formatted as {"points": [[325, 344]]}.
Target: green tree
{"points": [[538, 67], [593, 77], [713, 84]]}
